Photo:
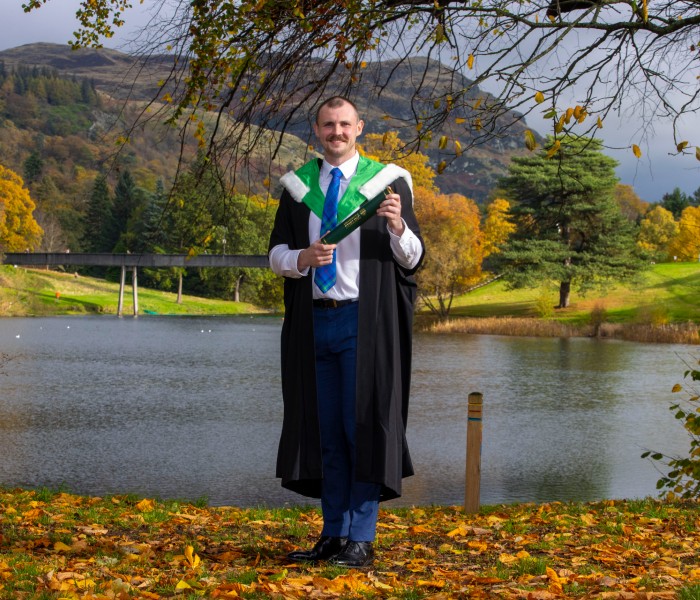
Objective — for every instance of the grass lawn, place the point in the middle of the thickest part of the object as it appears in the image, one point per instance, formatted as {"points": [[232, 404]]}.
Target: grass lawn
{"points": [[34, 292], [667, 292]]}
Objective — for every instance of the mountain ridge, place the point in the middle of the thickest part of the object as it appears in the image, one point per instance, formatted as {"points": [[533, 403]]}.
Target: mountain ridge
{"points": [[474, 174]]}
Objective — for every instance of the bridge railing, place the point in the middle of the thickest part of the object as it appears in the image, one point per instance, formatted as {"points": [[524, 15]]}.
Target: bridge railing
{"points": [[40, 259]]}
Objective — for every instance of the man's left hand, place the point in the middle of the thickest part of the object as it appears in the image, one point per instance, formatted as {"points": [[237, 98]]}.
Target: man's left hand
{"points": [[391, 209]]}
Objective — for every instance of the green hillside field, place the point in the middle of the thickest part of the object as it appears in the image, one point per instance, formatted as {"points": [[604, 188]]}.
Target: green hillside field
{"points": [[666, 300]]}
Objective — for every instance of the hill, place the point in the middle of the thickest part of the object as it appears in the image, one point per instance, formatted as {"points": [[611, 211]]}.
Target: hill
{"points": [[122, 78]]}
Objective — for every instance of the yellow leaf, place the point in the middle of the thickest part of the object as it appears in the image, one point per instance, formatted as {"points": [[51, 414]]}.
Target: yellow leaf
{"points": [[697, 152], [436, 104], [419, 126], [183, 585], [600, 123], [554, 149], [460, 120], [470, 61], [363, 64], [677, 388], [441, 166], [682, 146], [385, 137], [61, 547], [146, 505], [443, 142], [477, 104], [530, 142], [539, 97], [458, 148], [191, 557], [636, 151]]}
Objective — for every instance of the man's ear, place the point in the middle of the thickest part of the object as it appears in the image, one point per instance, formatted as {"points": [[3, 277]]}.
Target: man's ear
{"points": [[360, 126]]}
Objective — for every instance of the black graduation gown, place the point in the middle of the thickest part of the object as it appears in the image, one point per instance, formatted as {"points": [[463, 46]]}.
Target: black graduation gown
{"points": [[386, 306]]}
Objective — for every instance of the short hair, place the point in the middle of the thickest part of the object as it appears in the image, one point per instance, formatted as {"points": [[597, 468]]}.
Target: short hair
{"points": [[336, 102]]}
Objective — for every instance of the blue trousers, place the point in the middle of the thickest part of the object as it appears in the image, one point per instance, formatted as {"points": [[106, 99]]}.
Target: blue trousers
{"points": [[349, 507]]}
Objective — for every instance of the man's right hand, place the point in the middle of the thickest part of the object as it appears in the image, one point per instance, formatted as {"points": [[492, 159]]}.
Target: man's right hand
{"points": [[316, 255]]}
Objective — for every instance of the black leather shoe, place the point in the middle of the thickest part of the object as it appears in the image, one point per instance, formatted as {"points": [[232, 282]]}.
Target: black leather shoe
{"points": [[326, 547], [355, 555]]}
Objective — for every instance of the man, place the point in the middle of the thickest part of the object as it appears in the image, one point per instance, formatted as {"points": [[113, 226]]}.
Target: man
{"points": [[346, 337]]}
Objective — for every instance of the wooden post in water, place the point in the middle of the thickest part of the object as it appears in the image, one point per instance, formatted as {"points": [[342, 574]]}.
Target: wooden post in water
{"points": [[120, 304], [135, 286], [472, 485]]}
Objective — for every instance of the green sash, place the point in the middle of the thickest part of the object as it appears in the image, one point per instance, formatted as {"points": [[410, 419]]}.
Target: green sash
{"points": [[314, 198]]}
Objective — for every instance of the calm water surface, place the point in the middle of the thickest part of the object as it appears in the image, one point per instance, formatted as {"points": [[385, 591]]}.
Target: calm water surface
{"points": [[180, 407]]}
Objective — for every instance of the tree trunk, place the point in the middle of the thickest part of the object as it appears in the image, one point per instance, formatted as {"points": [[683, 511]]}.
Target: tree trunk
{"points": [[237, 290], [564, 293], [179, 288]]}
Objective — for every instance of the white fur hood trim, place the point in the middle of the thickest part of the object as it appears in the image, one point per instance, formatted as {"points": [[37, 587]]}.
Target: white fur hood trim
{"points": [[381, 180], [294, 185]]}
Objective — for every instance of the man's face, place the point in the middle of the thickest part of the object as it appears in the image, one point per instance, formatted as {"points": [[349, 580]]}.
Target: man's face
{"points": [[337, 129]]}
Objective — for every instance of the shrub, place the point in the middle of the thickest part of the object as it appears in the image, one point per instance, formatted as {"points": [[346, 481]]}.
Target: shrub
{"points": [[683, 479]]}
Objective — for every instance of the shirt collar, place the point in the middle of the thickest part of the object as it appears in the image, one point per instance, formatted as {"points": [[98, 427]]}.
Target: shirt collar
{"points": [[348, 167]]}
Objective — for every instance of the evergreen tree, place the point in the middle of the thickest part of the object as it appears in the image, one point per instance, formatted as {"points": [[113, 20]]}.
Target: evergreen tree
{"points": [[33, 166], [570, 228], [100, 231], [129, 200], [675, 202]]}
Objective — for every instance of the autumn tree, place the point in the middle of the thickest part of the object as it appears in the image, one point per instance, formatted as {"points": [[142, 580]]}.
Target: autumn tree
{"points": [[686, 245], [388, 147], [570, 229], [454, 251], [18, 229], [269, 63], [631, 205], [497, 227], [656, 231]]}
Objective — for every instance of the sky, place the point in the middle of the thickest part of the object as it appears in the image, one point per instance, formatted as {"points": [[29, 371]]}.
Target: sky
{"points": [[655, 174]]}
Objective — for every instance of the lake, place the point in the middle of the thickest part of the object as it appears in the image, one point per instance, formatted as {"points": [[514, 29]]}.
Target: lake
{"points": [[190, 407]]}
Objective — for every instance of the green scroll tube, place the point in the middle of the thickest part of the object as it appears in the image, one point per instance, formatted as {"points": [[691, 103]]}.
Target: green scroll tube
{"points": [[348, 225]]}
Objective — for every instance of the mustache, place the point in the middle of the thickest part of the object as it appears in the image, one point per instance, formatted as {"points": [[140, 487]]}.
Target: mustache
{"points": [[337, 138]]}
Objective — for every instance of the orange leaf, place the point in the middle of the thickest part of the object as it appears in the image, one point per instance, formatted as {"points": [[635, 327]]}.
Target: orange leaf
{"points": [[636, 151]]}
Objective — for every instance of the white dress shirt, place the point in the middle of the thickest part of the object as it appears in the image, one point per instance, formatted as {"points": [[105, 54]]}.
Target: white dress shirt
{"points": [[283, 261]]}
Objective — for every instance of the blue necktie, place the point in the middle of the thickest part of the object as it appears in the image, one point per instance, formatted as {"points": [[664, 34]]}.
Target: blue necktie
{"points": [[325, 275]]}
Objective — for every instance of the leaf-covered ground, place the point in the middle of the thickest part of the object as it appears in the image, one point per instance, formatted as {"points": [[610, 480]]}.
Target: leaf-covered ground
{"points": [[55, 545]]}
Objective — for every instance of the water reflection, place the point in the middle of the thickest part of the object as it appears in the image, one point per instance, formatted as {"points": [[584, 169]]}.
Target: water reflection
{"points": [[188, 407]]}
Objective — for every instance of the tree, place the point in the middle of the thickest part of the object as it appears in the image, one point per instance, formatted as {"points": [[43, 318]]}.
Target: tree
{"points": [[686, 245], [631, 205], [18, 229], [129, 200], [100, 233], [497, 227], [675, 202], [388, 147], [656, 231], [570, 229], [266, 62], [454, 252]]}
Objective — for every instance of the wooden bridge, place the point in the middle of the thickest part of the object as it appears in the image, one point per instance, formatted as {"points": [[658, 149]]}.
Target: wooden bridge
{"points": [[133, 262]]}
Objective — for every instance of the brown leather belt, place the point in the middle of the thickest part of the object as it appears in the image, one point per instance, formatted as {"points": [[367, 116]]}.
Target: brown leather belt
{"points": [[331, 303]]}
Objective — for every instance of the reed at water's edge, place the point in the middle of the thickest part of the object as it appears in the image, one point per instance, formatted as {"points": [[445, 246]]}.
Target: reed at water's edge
{"points": [[669, 333]]}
